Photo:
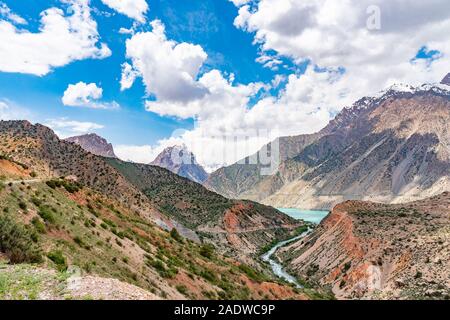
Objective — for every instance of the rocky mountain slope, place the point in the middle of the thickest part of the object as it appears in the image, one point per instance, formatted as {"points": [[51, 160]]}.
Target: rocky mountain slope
{"points": [[94, 144], [393, 147], [181, 161], [379, 251]]}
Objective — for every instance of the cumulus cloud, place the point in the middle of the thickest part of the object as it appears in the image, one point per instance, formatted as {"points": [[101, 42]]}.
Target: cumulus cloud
{"points": [[86, 95], [168, 69], [65, 128], [61, 39], [345, 35], [134, 9]]}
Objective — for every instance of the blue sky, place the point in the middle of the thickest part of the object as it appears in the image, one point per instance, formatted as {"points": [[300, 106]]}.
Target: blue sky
{"points": [[207, 23], [135, 71]]}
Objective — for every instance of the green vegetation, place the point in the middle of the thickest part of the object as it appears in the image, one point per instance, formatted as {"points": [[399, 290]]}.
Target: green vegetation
{"points": [[23, 205], [175, 235], [166, 190], [252, 273], [46, 214], [207, 251], [70, 186], [58, 258], [38, 225], [19, 285], [18, 242], [182, 289]]}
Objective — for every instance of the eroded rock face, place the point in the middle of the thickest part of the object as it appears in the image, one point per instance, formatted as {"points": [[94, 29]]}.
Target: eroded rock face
{"points": [[368, 250], [181, 161], [94, 144]]}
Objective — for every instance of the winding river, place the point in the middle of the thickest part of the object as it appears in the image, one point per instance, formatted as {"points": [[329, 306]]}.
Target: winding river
{"points": [[306, 215]]}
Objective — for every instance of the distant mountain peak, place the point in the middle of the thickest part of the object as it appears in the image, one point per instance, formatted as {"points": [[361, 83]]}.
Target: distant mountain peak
{"points": [[95, 144], [181, 161], [446, 80]]}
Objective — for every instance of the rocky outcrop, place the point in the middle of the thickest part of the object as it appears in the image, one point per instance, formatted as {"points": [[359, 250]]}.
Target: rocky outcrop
{"points": [[94, 144], [377, 251], [181, 161]]}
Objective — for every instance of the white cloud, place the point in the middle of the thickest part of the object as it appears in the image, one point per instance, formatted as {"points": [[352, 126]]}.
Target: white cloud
{"points": [[168, 69], [86, 95], [11, 111], [61, 39], [126, 31], [139, 154], [6, 12], [65, 128], [134, 9], [334, 34], [128, 76], [239, 3]]}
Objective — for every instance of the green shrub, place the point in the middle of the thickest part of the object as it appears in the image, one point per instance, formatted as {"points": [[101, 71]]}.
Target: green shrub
{"points": [[22, 205], [33, 174], [70, 186], [38, 225], [207, 251], [46, 214], [58, 258], [36, 201], [251, 273], [175, 235], [209, 276], [18, 242], [182, 289], [78, 241]]}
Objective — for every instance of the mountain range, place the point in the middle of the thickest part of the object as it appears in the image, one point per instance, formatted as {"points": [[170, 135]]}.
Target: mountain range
{"points": [[393, 147]]}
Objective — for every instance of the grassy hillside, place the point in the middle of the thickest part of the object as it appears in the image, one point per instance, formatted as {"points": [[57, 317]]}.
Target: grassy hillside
{"points": [[56, 224]]}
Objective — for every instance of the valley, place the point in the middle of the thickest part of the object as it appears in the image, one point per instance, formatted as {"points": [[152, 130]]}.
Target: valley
{"points": [[78, 223]]}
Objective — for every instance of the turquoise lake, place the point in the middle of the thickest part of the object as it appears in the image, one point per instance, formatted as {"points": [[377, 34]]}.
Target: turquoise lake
{"points": [[313, 216]]}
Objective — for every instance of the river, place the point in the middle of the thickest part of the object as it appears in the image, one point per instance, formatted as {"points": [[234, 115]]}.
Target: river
{"points": [[313, 216]]}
